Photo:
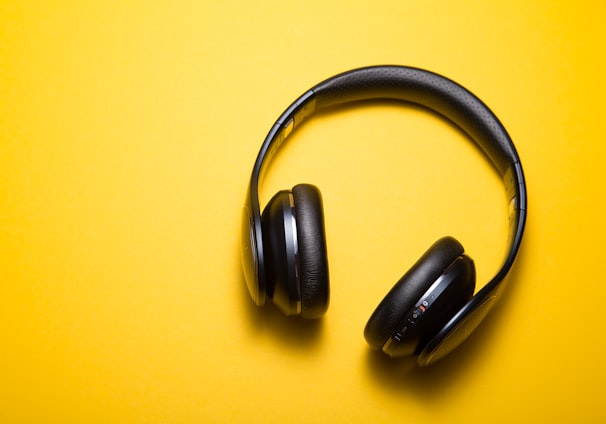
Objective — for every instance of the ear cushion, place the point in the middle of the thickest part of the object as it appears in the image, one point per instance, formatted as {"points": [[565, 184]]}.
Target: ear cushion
{"points": [[313, 271], [409, 289]]}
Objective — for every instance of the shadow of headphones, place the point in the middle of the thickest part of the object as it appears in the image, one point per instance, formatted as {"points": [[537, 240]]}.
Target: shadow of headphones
{"points": [[432, 308]]}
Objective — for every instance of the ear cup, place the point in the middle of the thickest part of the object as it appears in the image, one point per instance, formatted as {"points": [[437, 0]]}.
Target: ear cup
{"points": [[295, 252], [402, 298], [280, 253], [313, 262]]}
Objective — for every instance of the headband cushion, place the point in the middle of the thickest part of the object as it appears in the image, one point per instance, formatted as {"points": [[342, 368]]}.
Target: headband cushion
{"points": [[427, 89], [409, 289], [313, 263]]}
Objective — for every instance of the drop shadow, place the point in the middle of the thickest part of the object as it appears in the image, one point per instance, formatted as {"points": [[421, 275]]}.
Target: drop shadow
{"points": [[291, 332], [432, 382]]}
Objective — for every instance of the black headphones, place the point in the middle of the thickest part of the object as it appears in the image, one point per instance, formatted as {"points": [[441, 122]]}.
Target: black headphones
{"points": [[432, 308]]}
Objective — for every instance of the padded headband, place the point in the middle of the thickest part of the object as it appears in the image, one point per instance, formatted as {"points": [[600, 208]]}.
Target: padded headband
{"points": [[410, 85]]}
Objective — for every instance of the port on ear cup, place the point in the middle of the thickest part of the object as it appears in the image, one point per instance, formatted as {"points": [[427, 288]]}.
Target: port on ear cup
{"points": [[313, 262], [401, 301], [295, 252]]}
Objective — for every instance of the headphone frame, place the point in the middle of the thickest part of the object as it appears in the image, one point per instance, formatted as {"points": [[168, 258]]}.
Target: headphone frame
{"points": [[438, 94]]}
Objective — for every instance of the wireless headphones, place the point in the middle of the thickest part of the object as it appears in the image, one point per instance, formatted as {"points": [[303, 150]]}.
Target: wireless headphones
{"points": [[432, 308]]}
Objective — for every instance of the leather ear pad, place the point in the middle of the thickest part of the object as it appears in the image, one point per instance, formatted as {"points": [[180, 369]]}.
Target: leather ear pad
{"points": [[313, 271], [409, 289]]}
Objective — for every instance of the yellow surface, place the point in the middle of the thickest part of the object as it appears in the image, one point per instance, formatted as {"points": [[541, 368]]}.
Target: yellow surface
{"points": [[127, 135]]}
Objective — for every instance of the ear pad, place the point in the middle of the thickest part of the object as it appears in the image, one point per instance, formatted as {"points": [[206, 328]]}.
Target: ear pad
{"points": [[295, 252], [313, 260], [397, 309]]}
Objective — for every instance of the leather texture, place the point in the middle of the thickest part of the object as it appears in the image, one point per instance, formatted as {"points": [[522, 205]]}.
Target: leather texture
{"points": [[409, 289], [427, 89], [313, 262]]}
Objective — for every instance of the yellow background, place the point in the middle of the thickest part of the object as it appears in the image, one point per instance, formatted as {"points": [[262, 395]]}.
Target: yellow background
{"points": [[127, 134]]}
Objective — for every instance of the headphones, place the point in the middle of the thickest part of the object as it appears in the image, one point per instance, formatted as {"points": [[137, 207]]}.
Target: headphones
{"points": [[432, 308]]}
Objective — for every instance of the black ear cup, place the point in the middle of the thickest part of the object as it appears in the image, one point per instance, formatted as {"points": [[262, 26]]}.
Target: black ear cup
{"points": [[295, 252], [423, 300], [279, 241]]}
